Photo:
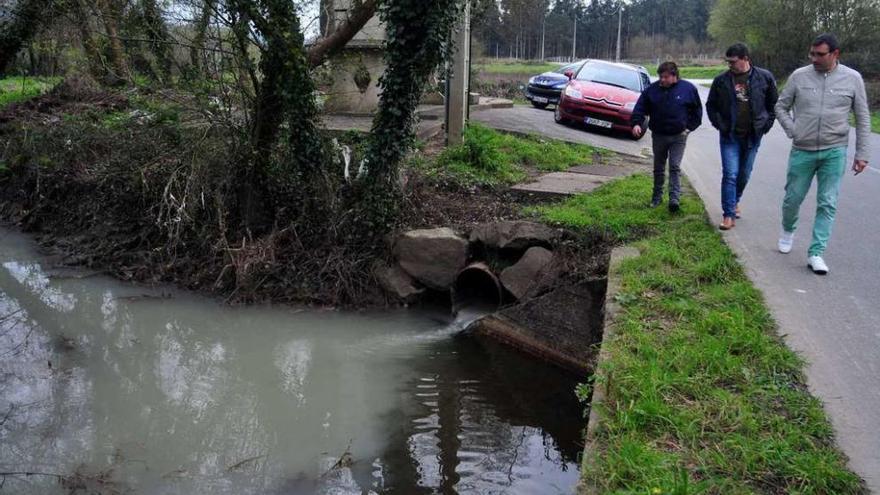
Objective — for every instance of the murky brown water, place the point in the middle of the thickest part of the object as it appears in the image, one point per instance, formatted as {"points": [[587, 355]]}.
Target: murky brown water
{"points": [[104, 389]]}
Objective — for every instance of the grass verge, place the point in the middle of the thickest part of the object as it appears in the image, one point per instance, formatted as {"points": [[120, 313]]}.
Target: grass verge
{"points": [[702, 395], [697, 72], [875, 120], [516, 67], [16, 89], [490, 158], [533, 68]]}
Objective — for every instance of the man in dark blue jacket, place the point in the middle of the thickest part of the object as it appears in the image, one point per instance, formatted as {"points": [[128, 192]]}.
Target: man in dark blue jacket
{"points": [[675, 110], [740, 106]]}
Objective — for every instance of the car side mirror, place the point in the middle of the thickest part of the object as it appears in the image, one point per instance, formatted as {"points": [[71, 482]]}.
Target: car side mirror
{"points": [[569, 74]]}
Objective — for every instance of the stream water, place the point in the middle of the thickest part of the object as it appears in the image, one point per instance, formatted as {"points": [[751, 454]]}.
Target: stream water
{"points": [[107, 387]]}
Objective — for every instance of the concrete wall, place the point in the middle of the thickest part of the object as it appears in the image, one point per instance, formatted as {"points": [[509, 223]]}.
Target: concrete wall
{"points": [[348, 72], [354, 74]]}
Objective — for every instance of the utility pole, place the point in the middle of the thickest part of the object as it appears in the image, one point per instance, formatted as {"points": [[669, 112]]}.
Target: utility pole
{"points": [[619, 22], [574, 38], [458, 83], [543, 23]]}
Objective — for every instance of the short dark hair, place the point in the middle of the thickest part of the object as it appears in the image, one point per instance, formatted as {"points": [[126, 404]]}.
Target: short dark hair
{"points": [[738, 50], [668, 68], [828, 39]]}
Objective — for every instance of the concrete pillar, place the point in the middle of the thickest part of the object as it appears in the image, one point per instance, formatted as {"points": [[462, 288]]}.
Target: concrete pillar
{"points": [[458, 83]]}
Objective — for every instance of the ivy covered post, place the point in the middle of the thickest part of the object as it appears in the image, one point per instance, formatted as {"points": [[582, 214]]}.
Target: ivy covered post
{"points": [[458, 88], [419, 39]]}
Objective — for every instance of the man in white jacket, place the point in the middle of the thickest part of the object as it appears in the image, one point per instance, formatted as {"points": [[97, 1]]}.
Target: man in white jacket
{"points": [[814, 110]]}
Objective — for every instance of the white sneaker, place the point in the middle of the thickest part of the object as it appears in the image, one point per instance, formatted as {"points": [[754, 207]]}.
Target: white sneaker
{"points": [[786, 239], [817, 264]]}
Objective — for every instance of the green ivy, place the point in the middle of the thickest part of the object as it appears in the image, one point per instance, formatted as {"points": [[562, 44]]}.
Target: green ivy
{"points": [[286, 95], [419, 39]]}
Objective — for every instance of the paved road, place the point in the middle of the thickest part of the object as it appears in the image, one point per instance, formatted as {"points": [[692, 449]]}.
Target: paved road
{"points": [[530, 120], [833, 321]]}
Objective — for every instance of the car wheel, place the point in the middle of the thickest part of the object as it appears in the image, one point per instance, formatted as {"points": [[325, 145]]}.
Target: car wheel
{"points": [[557, 116], [540, 105]]}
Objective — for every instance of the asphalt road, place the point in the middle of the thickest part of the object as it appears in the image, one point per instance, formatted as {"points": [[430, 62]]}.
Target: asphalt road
{"points": [[530, 120], [833, 321]]}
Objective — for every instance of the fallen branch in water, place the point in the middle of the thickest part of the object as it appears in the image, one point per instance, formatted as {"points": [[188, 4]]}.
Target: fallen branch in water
{"points": [[142, 297], [345, 460], [242, 463]]}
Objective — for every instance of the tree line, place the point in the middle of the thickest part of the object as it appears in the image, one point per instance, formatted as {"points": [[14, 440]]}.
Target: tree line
{"points": [[535, 29], [777, 30]]}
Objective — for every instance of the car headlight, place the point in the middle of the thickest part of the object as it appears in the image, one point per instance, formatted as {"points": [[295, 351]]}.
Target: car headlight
{"points": [[629, 106], [573, 93], [532, 80]]}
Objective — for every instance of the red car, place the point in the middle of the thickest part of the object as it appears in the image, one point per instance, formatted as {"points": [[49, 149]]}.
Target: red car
{"points": [[602, 95]]}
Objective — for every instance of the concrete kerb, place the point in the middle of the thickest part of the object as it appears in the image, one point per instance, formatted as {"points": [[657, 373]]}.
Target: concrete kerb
{"points": [[586, 487]]}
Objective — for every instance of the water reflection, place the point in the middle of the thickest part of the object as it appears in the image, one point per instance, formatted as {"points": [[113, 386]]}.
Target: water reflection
{"points": [[117, 391]]}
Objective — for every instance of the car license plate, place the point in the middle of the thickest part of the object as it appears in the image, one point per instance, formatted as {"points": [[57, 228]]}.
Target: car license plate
{"points": [[597, 122], [539, 99]]}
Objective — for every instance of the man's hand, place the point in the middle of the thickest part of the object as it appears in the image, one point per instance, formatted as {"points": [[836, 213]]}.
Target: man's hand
{"points": [[859, 166], [637, 130]]}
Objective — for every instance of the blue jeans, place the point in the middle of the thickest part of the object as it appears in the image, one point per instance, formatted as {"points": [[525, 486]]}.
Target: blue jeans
{"points": [[737, 158]]}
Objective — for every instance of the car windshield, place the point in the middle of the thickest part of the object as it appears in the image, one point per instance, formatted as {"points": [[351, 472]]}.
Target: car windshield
{"points": [[610, 74], [572, 67]]}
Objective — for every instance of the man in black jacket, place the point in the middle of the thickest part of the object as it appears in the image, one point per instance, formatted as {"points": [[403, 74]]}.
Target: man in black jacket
{"points": [[741, 106], [675, 109]]}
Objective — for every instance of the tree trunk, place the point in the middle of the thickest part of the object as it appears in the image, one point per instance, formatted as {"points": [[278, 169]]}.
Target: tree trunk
{"points": [[422, 34], [157, 31], [286, 92], [198, 42], [93, 54], [111, 12], [27, 18], [249, 83]]}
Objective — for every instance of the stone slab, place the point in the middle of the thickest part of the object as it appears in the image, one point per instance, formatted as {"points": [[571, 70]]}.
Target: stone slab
{"points": [[604, 170], [562, 326], [563, 184]]}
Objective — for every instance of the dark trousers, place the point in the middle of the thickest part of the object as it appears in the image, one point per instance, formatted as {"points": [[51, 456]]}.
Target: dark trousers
{"points": [[671, 148]]}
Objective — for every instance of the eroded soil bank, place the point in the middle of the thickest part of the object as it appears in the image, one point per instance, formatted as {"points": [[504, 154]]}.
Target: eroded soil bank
{"points": [[119, 183]]}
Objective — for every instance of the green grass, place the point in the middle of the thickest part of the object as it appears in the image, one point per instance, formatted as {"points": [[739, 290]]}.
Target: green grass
{"points": [[491, 158], [532, 68], [15, 89], [515, 67], [875, 120], [702, 395], [697, 72]]}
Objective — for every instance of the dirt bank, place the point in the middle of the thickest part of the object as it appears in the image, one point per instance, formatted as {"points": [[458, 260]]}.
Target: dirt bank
{"points": [[128, 183]]}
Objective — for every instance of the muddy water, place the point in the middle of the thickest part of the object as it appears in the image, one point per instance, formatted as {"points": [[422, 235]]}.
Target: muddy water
{"points": [[114, 388]]}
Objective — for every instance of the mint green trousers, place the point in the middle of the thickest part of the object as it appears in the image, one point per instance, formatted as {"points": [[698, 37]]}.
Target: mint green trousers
{"points": [[828, 167]]}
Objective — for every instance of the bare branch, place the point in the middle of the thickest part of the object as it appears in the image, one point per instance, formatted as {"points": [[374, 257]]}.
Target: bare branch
{"points": [[335, 42]]}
